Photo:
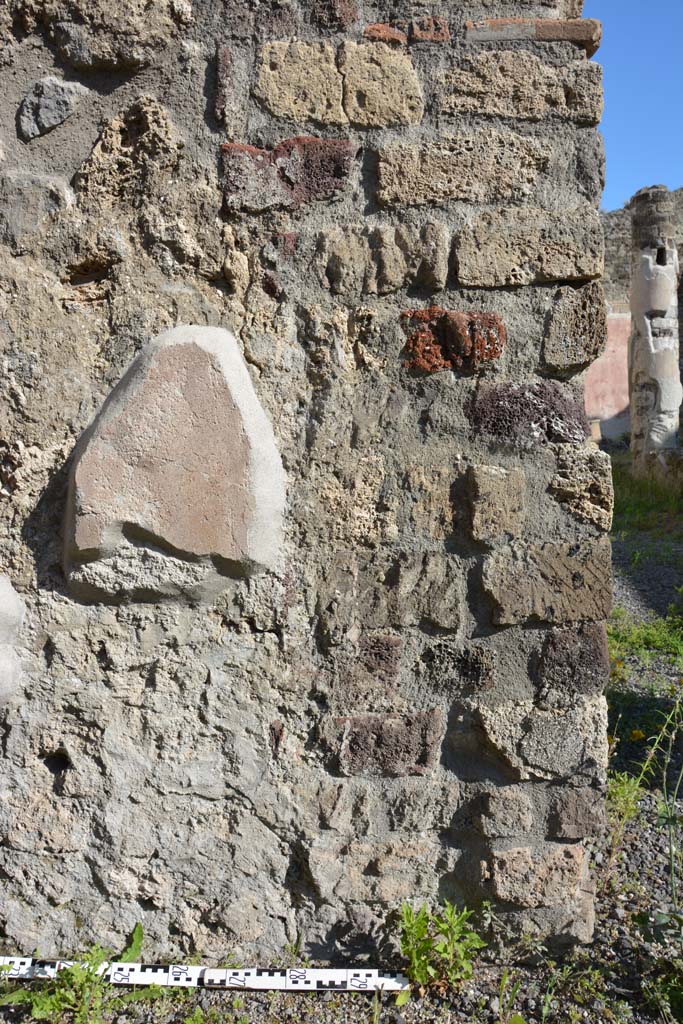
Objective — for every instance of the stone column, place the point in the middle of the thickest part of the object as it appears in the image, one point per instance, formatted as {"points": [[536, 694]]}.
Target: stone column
{"points": [[654, 373]]}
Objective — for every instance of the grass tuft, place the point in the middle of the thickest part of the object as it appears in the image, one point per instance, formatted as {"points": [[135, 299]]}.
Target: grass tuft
{"points": [[645, 640], [648, 506]]}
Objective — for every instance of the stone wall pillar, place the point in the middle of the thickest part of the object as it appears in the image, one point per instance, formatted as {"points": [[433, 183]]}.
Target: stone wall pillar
{"points": [[316, 581], [655, 386]]}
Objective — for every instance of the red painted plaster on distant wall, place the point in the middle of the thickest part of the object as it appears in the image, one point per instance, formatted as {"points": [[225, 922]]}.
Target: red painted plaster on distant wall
{"points": [[607, 379]]}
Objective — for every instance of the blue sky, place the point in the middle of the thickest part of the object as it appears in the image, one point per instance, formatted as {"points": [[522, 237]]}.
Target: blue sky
{"points": [[641, 53]]}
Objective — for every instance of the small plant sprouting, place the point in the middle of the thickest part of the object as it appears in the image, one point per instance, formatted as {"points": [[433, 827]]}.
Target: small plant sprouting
{"points": [[293, 955], [196, 1017], [439, 947], [133, 950], [417, 945], [624, 790], [78, 993], [376, 1008], [507, 994]]}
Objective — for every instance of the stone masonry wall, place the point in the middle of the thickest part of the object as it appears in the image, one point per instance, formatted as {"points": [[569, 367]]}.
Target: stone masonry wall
{"points": [[309, 620]]}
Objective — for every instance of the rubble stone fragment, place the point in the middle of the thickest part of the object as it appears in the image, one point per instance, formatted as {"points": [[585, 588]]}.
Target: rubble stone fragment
{"points": [[301, 81], [512, 83], [576, 332], [296, 171], [528, 415], [443, 339], [477, 167], [554, 583], [506, 812], [574, 660], [387, 745], [526, 245], [497, 501], [48, 104], [381, 87], [543, 878], [583, 484], [577, 813]]}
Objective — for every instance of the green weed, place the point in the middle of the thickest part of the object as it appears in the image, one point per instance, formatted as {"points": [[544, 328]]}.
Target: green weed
{"points": [[530, 949], [507, 995], [643, 640], [80, 994], [439, 947], [570, 989], [664, 989], [669, 815], [133, 950], [196, 1017], [293, 954], [376, 1008], [644, 505], [624, 793], [663, 981], [555, 979], [625, 789]]}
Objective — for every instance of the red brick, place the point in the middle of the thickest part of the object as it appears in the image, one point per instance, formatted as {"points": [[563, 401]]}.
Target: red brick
{"points": [[446, 340], [429, 30], [583, 32], [298, 170], [383, 33]]}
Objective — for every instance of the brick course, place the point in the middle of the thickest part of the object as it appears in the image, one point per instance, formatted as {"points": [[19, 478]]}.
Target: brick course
{"points": [[585, 33]]}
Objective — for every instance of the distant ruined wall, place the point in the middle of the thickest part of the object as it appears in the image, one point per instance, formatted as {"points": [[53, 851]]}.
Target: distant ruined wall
{"points": [[655, 386], [618, 246], [303, 604], [607, 380]]}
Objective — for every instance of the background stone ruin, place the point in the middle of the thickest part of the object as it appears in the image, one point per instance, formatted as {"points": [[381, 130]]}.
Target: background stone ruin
{"points": [[619, 247], [303, 605], [655, 388], [607, 390]]}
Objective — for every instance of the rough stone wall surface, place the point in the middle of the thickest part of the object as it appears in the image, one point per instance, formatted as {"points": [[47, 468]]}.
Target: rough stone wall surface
{"points": [[404, 699]]}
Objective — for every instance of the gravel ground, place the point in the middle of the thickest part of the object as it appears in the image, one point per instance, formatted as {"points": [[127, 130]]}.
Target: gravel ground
{"points": [[647, 572], [604, 984]]}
